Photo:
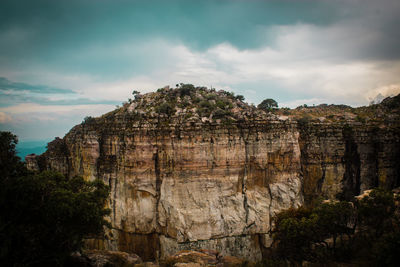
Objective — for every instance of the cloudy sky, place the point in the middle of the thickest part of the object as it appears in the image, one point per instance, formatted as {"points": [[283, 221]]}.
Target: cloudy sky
{"points": [[63, 60]]}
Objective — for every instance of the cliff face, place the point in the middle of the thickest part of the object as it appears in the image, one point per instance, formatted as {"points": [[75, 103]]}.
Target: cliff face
{"points": [[342, 161], [196, 177]]}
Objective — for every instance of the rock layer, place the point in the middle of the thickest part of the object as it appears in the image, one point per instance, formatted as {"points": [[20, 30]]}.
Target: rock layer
{"points": [[184, 181], [212, 187]]}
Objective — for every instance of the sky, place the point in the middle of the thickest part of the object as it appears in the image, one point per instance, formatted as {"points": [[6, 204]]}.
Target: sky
{"points": [[61, 61]]}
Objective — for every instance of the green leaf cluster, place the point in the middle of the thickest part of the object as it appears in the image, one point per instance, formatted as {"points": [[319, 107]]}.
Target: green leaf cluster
{"points": [[268, 104], [45, 216], [365, 230]]}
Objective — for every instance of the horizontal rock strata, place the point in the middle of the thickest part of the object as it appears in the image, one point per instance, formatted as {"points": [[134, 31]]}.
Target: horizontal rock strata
{"points": [[183, 181]]}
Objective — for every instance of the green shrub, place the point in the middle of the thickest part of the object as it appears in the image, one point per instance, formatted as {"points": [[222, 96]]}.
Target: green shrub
{"points": [[186, 89], [166, 108], [304, 120]]}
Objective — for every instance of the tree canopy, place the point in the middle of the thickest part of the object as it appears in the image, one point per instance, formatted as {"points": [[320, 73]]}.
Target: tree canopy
{"points": [[327, 231], [45, 216], [268, 104]]}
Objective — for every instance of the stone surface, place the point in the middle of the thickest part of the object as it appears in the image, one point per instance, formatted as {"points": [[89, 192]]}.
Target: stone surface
{"points": [[180, 182], [102, 258], [192, 257], [231, 261]]}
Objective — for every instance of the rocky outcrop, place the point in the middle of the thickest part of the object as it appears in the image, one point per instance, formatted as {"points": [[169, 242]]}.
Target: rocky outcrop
{"points": [[342, 161], [202, 258], [199, 169], [103, 258]]}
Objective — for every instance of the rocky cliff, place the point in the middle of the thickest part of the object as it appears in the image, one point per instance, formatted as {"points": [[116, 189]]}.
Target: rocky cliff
{"points": [[197, 168]]}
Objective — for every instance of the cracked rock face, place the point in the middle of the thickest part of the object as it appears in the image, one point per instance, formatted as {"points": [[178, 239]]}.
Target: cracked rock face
{"points": [[179, 182], [212, 187]]}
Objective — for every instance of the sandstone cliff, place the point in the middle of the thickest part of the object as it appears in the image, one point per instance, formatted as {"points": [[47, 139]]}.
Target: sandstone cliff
{"points": [[196, 168]]}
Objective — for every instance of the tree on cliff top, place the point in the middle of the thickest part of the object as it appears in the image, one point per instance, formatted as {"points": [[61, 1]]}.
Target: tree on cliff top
{"points": [[268, 104], [45, 216]]}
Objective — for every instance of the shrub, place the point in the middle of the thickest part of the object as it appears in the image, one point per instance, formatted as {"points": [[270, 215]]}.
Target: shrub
{"points": [[304, 120], [239, 97], [166, 108], [186, 89], [88, 120]]}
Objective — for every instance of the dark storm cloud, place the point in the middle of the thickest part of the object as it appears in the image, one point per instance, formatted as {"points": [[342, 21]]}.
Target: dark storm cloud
{"points": [[62, 34], [85, 36], [377, 24]]}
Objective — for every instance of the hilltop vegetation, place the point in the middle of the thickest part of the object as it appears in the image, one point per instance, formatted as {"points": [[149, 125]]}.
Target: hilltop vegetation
{"points": [[387, 111], [189, 104]]}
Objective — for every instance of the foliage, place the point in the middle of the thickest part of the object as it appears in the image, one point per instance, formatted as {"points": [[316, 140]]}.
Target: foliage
{"points": [[328, 231], [294, 231], [304, 120], [386, 251], [240, 97], [136, 95], [222, 113], [268, 104], [45, 216], [301, 233], [166, 108], [375, 212], [335, 220], [10, 164], [88, 120], [186, 89], [206, 105]]}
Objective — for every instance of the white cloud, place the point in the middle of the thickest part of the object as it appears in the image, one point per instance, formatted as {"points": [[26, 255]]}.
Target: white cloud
{"points": [[304, 62], [30, 112], [4, 117], [384, 91]]}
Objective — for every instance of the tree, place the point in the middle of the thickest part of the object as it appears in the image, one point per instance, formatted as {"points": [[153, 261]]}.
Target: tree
{"points": [[45, 216], [136, 94], [335, 219], [312, 233], [186, 89], [268, 104], [240, 98], [294, 233], [10, 164], [302, 233], [375, 212]]}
